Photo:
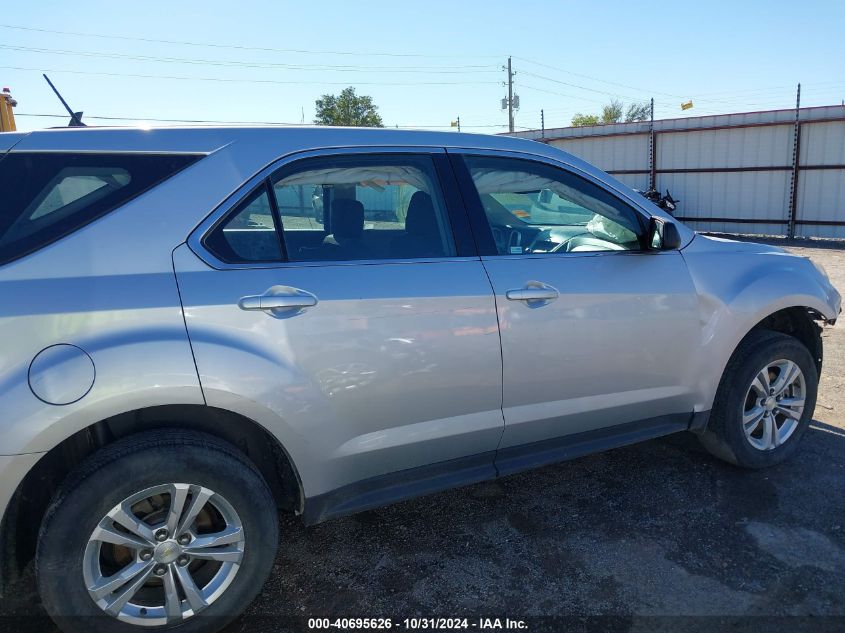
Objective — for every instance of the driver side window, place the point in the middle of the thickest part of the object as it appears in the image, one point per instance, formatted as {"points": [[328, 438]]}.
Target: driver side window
{"points": [[536, 208]]}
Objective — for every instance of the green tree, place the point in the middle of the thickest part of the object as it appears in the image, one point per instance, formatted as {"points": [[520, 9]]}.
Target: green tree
{"points": [[612, 112], [580, 120], [347, 108], [638, 112]]}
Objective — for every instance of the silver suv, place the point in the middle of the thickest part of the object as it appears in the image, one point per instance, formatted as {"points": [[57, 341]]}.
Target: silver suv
{"points": [[187, 347]]}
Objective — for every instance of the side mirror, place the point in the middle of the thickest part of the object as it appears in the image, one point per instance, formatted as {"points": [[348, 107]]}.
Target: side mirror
{"points": [[663, 235]]}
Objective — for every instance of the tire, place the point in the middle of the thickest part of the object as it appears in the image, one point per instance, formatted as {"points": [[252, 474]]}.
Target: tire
{"points": [[725, 436], [132, 466]]}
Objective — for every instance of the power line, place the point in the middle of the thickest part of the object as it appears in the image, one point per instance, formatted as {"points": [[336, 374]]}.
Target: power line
{"points": [[254, 81], [157, 120], [612, 83], [731, 96], [771, 88], [566, 83], [559, 94], [235, 46], [243, 64]]}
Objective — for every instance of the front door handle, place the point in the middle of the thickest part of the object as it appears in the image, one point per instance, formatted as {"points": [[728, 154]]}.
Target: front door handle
{"points": [[279, 301], [534, 294]]}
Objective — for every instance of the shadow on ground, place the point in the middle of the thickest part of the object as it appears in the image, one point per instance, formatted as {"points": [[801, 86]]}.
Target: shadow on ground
{"points": [[657, 529]]}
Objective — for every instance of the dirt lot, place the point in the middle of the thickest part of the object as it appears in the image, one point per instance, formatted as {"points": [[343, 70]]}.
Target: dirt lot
{"points": [[642, 537]]}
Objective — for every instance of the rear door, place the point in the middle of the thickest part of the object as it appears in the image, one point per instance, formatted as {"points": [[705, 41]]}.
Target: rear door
{"points": [[597, 331], [342, 300]]}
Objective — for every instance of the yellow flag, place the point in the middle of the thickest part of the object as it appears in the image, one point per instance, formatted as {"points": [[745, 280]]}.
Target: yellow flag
{"points": [[687, 105], [454, 124]]}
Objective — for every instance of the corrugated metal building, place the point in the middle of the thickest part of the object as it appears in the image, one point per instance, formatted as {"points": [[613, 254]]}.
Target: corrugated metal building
{"points": [[775, 172]]}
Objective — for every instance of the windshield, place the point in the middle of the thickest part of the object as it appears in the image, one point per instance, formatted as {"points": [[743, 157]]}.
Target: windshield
{"points": [[543, 207]]}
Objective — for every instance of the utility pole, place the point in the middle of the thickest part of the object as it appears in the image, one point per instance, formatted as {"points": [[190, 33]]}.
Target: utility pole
{"points": [[459, 124], [511, 102], [542, 125], [510, 96]]}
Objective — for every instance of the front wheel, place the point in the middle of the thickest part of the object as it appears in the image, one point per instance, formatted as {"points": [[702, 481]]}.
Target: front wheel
{"points": [[764, 403], [164, 529]]}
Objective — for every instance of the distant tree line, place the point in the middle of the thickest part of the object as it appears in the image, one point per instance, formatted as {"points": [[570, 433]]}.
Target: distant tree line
{"points": [[613, 113], [351, 109]]}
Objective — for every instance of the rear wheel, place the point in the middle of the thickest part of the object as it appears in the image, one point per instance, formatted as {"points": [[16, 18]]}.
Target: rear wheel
{"points": [[161, 530], [765, 401]]}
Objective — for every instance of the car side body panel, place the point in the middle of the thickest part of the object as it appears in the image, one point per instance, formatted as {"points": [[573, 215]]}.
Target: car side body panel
{"points": [[110, 290], [613, 348], [398, 365], [739, 284], [131, 327]]}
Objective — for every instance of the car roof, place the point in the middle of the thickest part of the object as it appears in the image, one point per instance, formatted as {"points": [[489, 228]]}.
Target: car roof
{"points": [[245, 150], [286, 139], [267, 140]]}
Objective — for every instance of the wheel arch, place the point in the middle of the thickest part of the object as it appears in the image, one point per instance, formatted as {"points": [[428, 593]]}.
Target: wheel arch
{"points": [[799, 322], [26, 509]]}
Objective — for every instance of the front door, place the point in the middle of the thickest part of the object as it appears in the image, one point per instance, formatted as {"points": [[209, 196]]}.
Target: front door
{"points": [[597, 331]]}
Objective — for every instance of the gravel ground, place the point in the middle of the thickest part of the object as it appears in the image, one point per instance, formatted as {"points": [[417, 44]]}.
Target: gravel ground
{"points": [[658, 536]]}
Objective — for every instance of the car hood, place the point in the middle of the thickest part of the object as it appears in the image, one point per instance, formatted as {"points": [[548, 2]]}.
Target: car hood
{"points": [[706, 243]]}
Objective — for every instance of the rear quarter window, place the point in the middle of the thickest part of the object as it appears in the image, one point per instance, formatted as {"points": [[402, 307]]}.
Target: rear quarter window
{"points": [[46, 196]]}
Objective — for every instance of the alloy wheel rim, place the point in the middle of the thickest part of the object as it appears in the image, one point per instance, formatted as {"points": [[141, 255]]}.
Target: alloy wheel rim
{"points": [[163, 554], [774, 404]]}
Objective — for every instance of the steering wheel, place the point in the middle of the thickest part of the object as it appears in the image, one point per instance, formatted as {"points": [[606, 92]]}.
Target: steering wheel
{"points": [[543, 236], [506, 237]]}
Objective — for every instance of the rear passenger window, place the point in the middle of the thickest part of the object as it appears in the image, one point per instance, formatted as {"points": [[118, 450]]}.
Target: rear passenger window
{"points": [[75, 187], [45, 196], [248, 234], [362, 207]]}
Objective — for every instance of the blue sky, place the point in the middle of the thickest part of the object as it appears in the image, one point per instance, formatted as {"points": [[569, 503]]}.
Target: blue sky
{"points": [[424, 63]]}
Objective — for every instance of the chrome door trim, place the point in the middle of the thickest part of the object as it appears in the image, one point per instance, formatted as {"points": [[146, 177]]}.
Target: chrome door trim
{"points": [[194, 240]]}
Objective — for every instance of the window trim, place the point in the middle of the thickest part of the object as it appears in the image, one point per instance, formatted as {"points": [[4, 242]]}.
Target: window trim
{"points": [[481, 226], [235, 210], [455, 210]]}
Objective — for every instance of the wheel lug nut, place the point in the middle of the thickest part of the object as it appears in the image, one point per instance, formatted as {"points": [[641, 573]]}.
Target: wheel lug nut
{"points": [[184, 539], [183, 560], [146, 554], [161, 535], [160, 570]]}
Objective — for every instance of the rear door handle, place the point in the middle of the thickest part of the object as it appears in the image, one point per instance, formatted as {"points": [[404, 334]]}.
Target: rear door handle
{"points": [[534, 293], [279, 300]]}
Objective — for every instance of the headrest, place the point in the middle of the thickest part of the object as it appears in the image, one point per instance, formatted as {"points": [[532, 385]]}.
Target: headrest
{"points": [[347, 218], [421, 218]]}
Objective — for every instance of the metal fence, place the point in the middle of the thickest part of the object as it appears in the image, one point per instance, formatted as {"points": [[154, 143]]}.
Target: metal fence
{"points": [[780, 172]]}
